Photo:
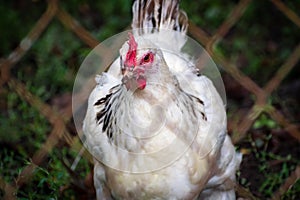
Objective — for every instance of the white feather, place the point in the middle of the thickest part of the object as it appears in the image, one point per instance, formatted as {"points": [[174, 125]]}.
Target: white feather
{"points": [[205, 168]]}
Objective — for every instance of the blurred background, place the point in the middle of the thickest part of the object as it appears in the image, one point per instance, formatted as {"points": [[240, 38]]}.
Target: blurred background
{"points": [[256, 45]]}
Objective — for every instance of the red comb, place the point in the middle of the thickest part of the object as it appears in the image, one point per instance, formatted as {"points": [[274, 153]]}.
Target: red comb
{"points": [[132, 43], [131, 54]]}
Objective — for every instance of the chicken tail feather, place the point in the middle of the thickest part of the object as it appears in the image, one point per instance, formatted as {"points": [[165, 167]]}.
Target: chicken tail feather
{"points": [[154, 15]]}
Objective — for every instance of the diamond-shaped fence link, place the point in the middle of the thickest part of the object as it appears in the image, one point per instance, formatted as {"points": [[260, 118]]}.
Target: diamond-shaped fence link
{"points": [[60, 119]]}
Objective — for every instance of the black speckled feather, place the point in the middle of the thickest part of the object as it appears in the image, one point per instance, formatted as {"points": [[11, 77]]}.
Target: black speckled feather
{"points": [[106, 115]]}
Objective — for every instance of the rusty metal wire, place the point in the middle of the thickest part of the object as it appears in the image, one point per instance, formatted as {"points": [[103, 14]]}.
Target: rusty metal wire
{"points": [[59, 121]]}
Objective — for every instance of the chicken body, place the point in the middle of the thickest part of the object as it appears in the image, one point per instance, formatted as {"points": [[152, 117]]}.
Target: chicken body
{"points": [[166, 139]]}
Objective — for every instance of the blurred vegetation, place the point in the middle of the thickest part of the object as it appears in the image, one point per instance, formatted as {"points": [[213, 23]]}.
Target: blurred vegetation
{"points": [[260, 42]]}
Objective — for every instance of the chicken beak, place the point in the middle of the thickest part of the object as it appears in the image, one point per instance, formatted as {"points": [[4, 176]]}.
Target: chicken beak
{"points": [[126, 81], [134, 79]]}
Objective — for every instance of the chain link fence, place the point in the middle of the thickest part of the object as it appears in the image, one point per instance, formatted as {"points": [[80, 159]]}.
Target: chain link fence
{"points": [[60, 119]]}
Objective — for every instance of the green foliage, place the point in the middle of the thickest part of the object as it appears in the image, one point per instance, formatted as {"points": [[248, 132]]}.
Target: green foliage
{"points": [[47, 70], [16, 20], [273, 179], [293, 192], [49, 181], [9, 164], [207, 14], [21, 121], [43, 183], [272, 168], [262, 39], [264, 121], [51, 63], [103, 18]]}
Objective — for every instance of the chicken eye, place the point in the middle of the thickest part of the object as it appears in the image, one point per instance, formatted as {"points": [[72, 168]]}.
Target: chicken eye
{"points": [[147, 58]]}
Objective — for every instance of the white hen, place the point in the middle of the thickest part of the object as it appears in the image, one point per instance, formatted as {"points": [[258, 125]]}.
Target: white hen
{"points": [[156, 127]]}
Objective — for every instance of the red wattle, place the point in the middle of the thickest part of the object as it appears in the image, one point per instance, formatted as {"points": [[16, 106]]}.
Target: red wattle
{"points": [[141, 82]]}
